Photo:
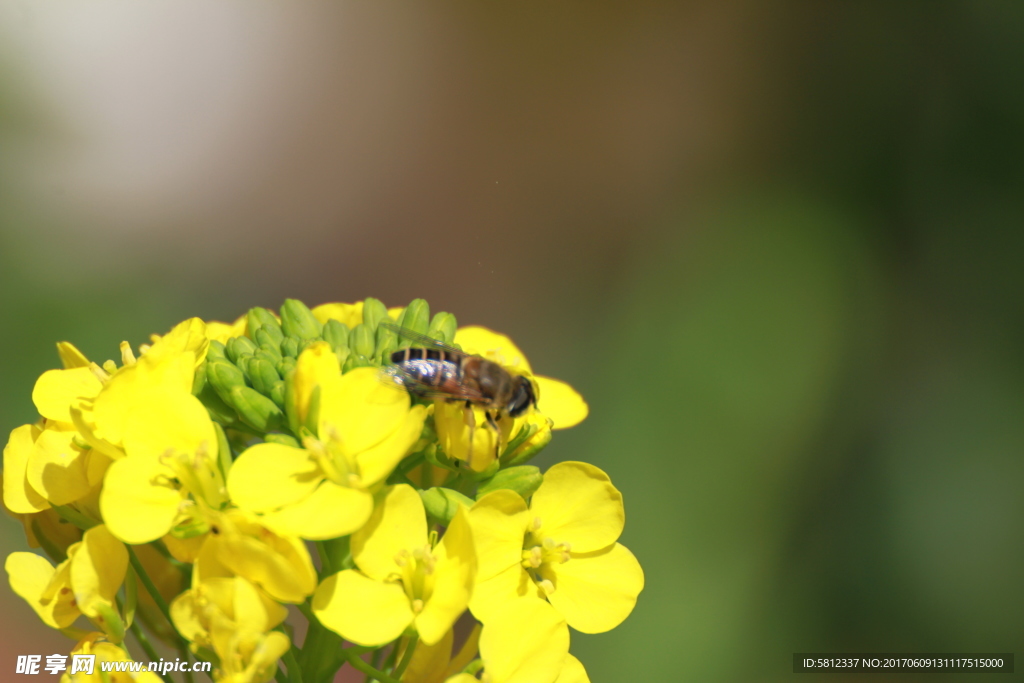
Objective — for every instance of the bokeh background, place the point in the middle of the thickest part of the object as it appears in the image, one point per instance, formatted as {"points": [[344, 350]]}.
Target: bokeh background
{"points": [[777, 246]]}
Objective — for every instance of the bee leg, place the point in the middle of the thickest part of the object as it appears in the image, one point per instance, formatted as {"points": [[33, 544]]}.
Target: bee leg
{"points": [[497, 430], [471, 423]]}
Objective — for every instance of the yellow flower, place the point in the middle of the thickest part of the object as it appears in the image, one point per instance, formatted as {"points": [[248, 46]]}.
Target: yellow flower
{"points": [[170, 475], [237, 545], [402, 579], [561, 547], [19, 496], [435, 663], [218, 331], [206, 613], [349, 314], [168, 366], [559, 406], [104, 652], [324, 490], [85, 583]]}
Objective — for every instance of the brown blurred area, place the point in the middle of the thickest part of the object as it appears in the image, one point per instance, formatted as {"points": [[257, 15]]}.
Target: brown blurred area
{"points": [[775, 246]]}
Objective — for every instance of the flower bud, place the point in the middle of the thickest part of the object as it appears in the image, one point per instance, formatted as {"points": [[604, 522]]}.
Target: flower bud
{"points": [[255, 409], [277, 393], [267, 341], [361, 341], [336, 334], [238, 346], [290, 347], [263, 375], [442, 504], [224, 376], [373, 312], [298, 321], [443, 327], [260, 317], [524, 480], [216, 351], [416, 316]]}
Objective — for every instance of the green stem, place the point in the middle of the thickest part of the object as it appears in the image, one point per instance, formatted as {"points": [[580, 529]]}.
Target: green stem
{"points": [[147, 647], [325, 559], [414, 640], [161, 605], [294, 670], [360, 665]]}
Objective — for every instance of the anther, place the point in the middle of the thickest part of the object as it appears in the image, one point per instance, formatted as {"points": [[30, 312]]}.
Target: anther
{"points": [[417, 606], [546, 586], [127, 357], [535, 526]]}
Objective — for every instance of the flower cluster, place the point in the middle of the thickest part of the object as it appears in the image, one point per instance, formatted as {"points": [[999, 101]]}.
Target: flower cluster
{"points": [[235, 469]]}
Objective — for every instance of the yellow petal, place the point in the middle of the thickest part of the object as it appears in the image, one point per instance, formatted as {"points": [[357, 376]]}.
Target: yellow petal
{"points": [[183, 549], [499, 520], [254, 610], [57, 468], [597, 591], [19, 496], [526, 643], [578, 504], [377, 462], [359, 411], [397, 523], [493, 594], [280, 566], [138, 502], [493, 346], [560, 402], [268, 476], [329, 512], [350, 314], [30, 576], [98, 569], [188, 336], [169, 421], [572, 672], [222, 332], [56, 389], [453, 432], [453, 580], [317, 365], [361, 610]]}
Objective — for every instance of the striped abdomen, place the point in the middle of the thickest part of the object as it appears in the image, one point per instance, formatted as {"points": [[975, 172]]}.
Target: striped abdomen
{"points": [[431, 368]]}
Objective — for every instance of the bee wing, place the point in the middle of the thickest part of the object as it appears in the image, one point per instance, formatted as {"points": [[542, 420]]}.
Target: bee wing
{"points": [[396, 375], [416, 337]]}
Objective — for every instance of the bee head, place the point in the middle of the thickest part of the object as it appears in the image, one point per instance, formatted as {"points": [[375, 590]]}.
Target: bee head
{"points": [[523, 396]]}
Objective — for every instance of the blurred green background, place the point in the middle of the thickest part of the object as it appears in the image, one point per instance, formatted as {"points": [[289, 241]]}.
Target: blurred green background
{"points": [[776, 246]]}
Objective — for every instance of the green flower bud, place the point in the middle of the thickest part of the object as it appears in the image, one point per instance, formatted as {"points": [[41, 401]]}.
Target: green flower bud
{"points": [[298, 321], [524, 480], [267, 341], [373, 312], [216, 351], [336, 334], [416, 316], [343, 355], [387, 342], [521, 451], [263, 375], [109, 620], [255, 409], [443, 327], [259, 317], [361, 341], [277, 393], [219, 410], [236, 346], [199, 380], [442, 504], [224, 377], [290, 347], [268, 355], [284, 366]]}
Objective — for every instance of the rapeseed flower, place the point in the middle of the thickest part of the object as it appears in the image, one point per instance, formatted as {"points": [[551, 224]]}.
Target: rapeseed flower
{"points": [[402, 579], [560, 547], [175, 489]]}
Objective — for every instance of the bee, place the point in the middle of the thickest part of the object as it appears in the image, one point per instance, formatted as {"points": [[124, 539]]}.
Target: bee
{"points": [[438, 370]]}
